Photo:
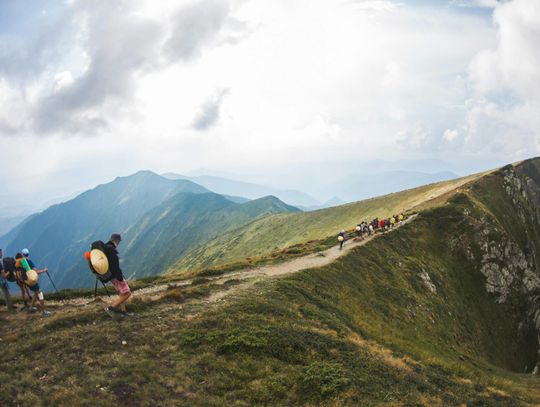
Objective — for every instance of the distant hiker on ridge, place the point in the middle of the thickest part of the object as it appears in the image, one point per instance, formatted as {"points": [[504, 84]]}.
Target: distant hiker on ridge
{"points": [[120, 285], [4, 284], [341, 239]]}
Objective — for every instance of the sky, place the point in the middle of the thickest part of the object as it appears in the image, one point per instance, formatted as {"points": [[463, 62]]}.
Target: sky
{"points": [[91, 90]]}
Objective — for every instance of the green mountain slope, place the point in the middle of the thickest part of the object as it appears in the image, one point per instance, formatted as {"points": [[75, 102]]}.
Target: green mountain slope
{"points": [[443, 311], [186, 220], [279, 231], [58, 236]]}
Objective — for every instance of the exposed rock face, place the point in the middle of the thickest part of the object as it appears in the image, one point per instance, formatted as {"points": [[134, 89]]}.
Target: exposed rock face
{"points": [[509, 266], [501, 238], [503, 263], [427, 281]]}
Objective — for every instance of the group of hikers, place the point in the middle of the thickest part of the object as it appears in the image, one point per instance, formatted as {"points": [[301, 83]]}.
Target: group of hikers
{"points": [[23, 272], [365, 228]]}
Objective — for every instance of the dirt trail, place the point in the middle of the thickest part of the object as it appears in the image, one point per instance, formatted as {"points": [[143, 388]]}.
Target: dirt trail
{"points": [[244, 278]]}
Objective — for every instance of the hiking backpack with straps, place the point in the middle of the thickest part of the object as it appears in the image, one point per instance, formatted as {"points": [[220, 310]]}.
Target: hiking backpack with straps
{"points": [[9, 268], [102, 275]]}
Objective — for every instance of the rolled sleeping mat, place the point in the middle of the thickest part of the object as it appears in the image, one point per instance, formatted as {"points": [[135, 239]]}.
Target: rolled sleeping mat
{"points": [[358, 228], [25, 264], [31, 278], [340, 239], [99, 261]]}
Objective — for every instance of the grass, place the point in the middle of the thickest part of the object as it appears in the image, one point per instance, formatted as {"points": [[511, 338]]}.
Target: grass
{"points": [[364, 330], [269, 237]]}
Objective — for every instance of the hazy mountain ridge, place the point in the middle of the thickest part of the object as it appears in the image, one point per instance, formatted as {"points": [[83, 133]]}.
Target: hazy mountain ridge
{"points": [[361, 185], [185, 221], [59, 235], [159, 219], [249, 190]]}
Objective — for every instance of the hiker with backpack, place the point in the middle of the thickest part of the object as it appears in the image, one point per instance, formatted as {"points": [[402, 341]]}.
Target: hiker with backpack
{"points": [[120, 284], [30, 276], [4, 284], [18, 269], [341, 239]]}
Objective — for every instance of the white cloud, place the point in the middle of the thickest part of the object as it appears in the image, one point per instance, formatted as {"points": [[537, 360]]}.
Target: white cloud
{"points": [[503, 114], [450, 135], [308, 79], [62, 80]]}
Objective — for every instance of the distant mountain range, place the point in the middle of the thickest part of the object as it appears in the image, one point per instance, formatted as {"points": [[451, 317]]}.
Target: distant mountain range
{"points": [[185, 221], [336, 190], [8, 223], [356, 187], [158, 217], [227, 186]]}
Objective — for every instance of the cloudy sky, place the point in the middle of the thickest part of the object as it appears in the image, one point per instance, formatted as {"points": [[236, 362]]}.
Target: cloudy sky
{"points": [[94, 89]]}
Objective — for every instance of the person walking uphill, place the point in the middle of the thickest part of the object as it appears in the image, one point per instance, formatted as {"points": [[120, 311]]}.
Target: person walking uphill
{"points": [[25, 293], [341, 239], [30, 277], [120, 284], [34, 286]]}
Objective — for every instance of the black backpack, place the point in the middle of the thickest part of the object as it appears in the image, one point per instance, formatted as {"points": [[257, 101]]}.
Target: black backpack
{"points": [[99, 245], [9, 268]]}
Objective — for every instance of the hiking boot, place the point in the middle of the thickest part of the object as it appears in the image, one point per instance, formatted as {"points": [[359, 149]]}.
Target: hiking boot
{"points": [[126, 314], [46, 313], [111, 312], [32, 310]]}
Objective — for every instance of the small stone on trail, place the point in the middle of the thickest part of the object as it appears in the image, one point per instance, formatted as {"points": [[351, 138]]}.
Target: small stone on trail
{"points": [[124, 343]]}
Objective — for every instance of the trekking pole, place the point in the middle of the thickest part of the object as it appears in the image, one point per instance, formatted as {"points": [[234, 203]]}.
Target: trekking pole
{"points": [[95, 290], [105, 287], [52, 282]]}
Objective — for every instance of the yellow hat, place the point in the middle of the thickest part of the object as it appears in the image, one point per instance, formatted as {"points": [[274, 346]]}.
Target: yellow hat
{"points": [[99, 261], [31, 278]]}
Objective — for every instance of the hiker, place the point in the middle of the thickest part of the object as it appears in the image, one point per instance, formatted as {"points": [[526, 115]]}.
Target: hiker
{"points": [[360, 229], [341, 238], [392, 221], [370, 229], [38, 294], [25, 293], [401, 217], [381, 224], [4, 284], [120, 284]]}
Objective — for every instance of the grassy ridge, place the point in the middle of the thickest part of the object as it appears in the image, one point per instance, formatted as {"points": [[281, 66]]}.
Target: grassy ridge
{"points": [[277, 232], [365, 330], [357, 332]]}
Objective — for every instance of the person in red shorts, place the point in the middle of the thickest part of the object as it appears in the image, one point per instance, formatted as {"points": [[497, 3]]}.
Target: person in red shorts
{"points": [[120, 284]]}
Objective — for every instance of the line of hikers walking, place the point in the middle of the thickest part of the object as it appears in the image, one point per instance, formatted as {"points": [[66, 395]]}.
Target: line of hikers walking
{"points": [[365, 228], [23, 272], [104, 262]]}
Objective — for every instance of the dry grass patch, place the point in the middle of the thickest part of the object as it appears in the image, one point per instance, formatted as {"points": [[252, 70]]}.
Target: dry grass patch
{"points": [[385, 354]]}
